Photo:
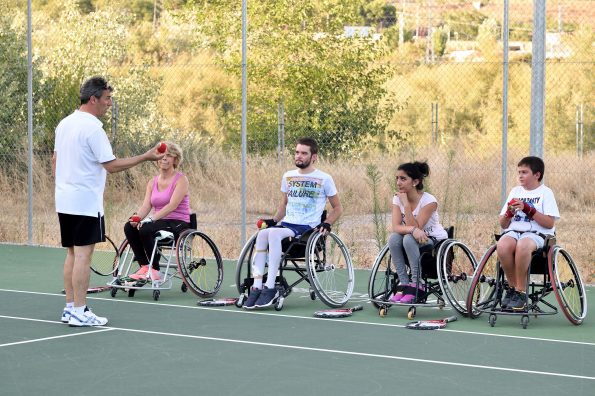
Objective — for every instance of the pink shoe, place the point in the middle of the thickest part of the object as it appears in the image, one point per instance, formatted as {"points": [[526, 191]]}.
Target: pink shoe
{"points": [[141, 273], [396, 297], [155, 274], [409, 296]]}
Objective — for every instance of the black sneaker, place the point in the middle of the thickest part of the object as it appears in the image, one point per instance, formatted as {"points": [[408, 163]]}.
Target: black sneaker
{"points": [[518, 302], [507, 297], [267, 297], [252, 297]]}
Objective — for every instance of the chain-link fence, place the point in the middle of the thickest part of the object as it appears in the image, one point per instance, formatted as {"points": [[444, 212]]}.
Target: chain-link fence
{"points": [[377, 83]]}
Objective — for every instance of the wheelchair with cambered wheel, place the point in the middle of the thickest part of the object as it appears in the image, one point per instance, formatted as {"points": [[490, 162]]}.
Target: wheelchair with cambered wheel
{"points": [[321, 261], [446, 272], [191, 256], [553, 277]]}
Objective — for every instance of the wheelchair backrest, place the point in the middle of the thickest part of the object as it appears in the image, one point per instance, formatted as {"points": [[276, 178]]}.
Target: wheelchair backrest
{"points": [[193, 222]]}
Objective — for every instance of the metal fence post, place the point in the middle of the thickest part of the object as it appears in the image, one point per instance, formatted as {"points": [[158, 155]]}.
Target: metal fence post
{"points": [[538, 80]]}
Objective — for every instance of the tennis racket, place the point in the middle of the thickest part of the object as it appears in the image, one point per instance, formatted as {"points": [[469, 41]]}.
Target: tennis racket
{"points": [[94, 289], [430, 324], [105, 258], [337, 313], [220, 302]]}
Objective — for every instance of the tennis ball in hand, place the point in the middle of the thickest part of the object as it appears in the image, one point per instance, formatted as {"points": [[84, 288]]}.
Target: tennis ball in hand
{"points": [[135, 219], [162, 147], [261, 224]]}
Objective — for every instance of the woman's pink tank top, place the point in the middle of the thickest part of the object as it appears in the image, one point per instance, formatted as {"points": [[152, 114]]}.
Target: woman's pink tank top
{"points": [[161, 198]]}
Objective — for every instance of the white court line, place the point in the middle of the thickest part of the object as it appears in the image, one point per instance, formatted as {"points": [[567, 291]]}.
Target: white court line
{"points": [[245, 312], [101, 330], [324, 350]]}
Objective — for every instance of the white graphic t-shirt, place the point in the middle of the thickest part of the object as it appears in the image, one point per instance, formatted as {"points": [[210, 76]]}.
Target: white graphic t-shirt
{"points": [[306, 196], [433, 227], [542, 198]]}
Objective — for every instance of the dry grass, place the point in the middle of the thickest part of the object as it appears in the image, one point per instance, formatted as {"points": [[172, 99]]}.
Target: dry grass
{"points": [[467, 187]]}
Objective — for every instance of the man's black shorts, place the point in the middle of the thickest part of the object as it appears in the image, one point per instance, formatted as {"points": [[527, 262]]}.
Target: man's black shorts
{"points": [[77, 230]]}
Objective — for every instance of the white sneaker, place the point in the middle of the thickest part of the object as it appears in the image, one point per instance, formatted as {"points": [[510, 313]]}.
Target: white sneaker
{"points": [[86, 320], [66, 313]]}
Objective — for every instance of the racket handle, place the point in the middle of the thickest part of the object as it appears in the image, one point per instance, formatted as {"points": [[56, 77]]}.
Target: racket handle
{"points": [[451, 319], [357, 308]]}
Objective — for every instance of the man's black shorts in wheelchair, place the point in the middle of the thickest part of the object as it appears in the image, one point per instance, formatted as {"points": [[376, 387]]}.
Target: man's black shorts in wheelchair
{"points": [[78, 230]]}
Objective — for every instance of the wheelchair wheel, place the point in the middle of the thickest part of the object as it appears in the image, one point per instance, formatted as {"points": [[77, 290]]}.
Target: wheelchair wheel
{"points": [[244, 266], [456, 266], [105, 258], [330, 269], [485, 284], [199, 263], [383, 279], [568, 286]]}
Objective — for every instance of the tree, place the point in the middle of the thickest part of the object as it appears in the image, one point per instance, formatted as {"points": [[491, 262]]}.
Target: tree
{"points": [[332, 87]]}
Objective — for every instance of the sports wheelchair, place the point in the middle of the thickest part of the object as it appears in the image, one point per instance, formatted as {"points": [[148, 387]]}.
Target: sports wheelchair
{"points": [[446, 271], [192, 256], [552, 269], [322, 261]]}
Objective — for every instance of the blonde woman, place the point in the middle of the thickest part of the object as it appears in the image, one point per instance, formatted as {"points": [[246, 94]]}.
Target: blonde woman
{"points": [[167, 196]]}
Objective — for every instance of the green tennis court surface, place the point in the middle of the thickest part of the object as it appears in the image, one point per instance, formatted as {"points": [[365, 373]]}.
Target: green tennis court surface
{"points": [[172, 345]]}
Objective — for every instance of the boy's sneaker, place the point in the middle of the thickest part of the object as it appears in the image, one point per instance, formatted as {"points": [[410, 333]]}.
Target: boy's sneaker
{"points": [[87, 319], [141, 273], [66, 313], [507, 297], [267, 297], [252, 297], [518, 302]]}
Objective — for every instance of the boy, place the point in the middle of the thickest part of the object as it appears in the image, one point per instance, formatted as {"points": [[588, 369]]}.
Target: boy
{"points": [[527, 217]]}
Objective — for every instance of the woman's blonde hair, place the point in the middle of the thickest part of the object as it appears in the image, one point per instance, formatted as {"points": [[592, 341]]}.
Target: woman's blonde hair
{"points": [[175, 151]]}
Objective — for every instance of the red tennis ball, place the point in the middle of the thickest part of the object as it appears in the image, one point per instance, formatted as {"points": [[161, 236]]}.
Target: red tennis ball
{"points": [[135, 219], [162, 147], [261, 224]]}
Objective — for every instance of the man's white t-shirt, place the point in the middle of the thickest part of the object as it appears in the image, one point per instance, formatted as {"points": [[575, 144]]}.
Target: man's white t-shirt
{"points": [[81, 146], [432, 227], [542, 198], [306, 196]]}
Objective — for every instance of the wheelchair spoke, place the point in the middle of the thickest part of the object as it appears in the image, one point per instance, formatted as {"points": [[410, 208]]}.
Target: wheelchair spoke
{"points": [[456, 267], [330, 269], [199, 263], [568, 286], [483, 290], [383, 279]]}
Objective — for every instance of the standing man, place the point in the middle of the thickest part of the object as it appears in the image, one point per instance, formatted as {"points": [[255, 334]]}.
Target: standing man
{"points": [[82, 157], [304, 192]]}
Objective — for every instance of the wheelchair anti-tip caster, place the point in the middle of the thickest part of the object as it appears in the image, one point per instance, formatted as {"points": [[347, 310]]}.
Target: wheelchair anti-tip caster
{"points": [[411, 313], [279, 304], [240, 301], [524, 321], [492, 320]]}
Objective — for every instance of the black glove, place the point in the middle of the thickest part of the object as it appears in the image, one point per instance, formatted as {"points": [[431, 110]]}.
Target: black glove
{"points": [[266, 223], [325, 226], [270, 222]]}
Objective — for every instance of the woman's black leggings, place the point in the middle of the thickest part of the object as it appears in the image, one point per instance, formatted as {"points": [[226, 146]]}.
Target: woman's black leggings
{"points": [[142, 241]]}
